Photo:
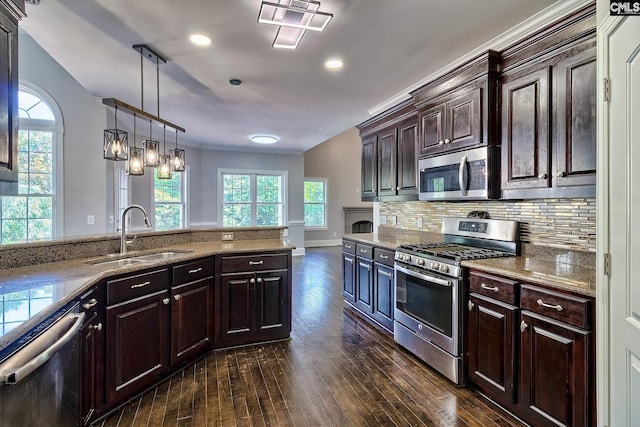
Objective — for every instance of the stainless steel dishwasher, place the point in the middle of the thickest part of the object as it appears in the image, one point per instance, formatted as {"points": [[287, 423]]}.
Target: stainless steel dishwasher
{"points": [[39, 381]]}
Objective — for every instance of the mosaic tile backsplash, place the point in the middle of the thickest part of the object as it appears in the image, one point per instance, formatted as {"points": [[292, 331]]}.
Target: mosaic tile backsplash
{"points": [[559, 223]]}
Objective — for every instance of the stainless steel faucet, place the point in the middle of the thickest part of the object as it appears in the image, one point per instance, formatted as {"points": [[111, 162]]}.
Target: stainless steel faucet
{"points": [[123, 226]]}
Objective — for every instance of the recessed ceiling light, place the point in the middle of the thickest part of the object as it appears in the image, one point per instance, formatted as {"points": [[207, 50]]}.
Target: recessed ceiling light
{"points": [[334, 64], [264, 139], [200, 39]]}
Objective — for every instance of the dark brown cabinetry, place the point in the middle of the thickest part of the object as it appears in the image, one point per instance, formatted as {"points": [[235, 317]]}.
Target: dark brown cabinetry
{"points": [[368, 278], [254, 298], [137, 317], [389, 155], [191, 310], [92, 354], [532, 350], [10, 13]]}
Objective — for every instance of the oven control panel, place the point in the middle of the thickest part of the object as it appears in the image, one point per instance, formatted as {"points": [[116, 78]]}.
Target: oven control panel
{"points": [[474, 226]]}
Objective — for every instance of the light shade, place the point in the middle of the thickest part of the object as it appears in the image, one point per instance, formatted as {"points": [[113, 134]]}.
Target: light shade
{"points": [[135, 164], [116, 146], [302, 14], [288, 38], [164, 168], [177, 159], [151, 153], [264, 139]]}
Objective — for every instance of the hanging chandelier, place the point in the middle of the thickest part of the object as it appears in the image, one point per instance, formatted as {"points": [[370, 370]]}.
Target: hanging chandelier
{"points": [[116, 147]]}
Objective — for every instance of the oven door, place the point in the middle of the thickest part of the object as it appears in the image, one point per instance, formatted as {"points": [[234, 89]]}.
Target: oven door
{"points": [[427, 304]]}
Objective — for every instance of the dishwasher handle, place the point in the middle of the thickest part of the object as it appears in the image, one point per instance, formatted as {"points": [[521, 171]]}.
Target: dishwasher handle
{"points": [[32, 356]]}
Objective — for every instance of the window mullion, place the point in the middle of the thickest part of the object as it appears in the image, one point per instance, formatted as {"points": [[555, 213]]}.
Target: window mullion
{"points": [[254, 199]]}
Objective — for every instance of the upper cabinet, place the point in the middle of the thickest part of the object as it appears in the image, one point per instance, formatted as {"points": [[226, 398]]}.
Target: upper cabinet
{"points": [[458, 110], [10, 13], [548, 114]]}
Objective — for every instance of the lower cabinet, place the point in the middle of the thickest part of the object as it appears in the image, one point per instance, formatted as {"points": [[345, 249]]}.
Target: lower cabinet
{"points": [[92, 355], [531, 349], [349, 271]]}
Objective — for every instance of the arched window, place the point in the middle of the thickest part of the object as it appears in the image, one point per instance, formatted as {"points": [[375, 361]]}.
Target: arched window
{"points": [[31, 215]]}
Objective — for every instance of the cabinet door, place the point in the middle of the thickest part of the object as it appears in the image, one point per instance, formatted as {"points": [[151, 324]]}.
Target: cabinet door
{"points": [[349, 277], [237, 318], [364, 285], [387, 163], [8, 105], [369, 169], [464, 120], [273, 317], [92, 372], [137, 345], [191, 320], [492, 346], [575, 119], [525, 133], [383, 295], [554, 372], [432, 128], [407, 158]]}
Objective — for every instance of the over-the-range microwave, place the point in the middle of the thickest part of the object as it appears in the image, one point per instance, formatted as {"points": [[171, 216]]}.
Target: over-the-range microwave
{"points": [[463, 175]]}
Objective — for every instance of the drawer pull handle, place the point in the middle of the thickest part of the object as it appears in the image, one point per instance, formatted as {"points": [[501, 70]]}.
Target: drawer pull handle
{"points": [[195, 271], [140, 285], [256, 262], [523, 326], [87, 305], [384, 256], [364, 251], [489, 288], [557, 307], [471, 305], [97, 327], [348, 246]]}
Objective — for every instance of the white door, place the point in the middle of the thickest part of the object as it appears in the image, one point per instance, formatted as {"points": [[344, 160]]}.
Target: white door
{"points": [[623, 234]]}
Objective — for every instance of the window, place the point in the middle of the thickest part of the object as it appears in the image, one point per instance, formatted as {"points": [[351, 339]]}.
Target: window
{"points": [[252, 199], [315, 203], [122, 192], [30, 215], [169, 200]]}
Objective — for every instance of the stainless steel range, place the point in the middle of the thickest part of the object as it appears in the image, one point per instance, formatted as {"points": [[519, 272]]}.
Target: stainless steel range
{"points": [[430, 288]]}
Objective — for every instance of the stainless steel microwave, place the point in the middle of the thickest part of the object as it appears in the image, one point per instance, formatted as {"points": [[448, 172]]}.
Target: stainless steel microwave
{"points": [[463, 175]]}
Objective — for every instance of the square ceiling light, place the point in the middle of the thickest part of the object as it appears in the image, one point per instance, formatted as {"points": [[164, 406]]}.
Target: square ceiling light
{"points": [[293, 17]]}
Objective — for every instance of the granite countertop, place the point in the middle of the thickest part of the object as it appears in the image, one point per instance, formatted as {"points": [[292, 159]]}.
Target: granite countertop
{"points": [[42, 289], [538, 267]]}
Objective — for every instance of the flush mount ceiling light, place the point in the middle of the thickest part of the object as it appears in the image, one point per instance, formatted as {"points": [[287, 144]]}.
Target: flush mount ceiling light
{"points": [[200, 39], [334, 64], [264, 139], [293, 17]]}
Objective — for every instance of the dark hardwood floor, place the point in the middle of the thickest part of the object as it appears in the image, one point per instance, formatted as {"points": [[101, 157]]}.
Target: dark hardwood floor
{"points": [[335, 371]]}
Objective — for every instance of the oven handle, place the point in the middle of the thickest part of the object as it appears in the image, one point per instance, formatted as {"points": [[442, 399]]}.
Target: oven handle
{"points": [[463, 176], [432, 279]]}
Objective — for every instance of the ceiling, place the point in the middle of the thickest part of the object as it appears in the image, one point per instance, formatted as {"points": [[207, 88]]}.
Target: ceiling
{"points": [[387, 46]]}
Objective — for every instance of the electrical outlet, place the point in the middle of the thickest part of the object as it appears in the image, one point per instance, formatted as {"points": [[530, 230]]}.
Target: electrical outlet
{"points": [[227, 236], [110, 219], [91, 219], [392, 219], [419, 223]]}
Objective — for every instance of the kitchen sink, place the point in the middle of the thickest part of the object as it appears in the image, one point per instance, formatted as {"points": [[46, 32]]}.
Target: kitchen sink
{"points": [[119, 262], [137, 259], [159, 256]]}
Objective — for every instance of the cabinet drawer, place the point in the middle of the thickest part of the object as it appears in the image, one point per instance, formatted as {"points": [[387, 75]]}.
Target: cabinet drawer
{"points": [[136, 286], [364, 251], [257, 262], [383, 256], [570, 309], [192, 271], [495, 287], [348, 246]]}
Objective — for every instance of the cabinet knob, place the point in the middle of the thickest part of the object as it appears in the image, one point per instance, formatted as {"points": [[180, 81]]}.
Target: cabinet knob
{"points": [[398, 188], [470, 305], [97, 327], [176, 297], [259, 280], [561, 174], [447, 141], [252, 281], [523, 326], [166, 301], [543, 176], [87, 305], [440, 142]]}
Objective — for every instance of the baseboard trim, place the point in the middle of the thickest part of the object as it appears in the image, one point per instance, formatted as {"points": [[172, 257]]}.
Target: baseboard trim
{"points": [[298, 252]]}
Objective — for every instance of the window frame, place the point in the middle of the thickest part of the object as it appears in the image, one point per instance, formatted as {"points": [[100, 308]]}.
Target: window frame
{"points": [[324, 227], [183, 198], [253, 173]]}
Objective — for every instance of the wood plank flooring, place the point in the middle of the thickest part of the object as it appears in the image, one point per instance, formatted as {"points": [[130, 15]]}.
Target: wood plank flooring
{"points": [[335, 371]]}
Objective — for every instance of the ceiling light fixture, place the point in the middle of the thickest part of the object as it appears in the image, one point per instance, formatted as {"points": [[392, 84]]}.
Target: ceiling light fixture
{"points": [[293, 17], [135, 164], [334, 64], [200, 39], [115, 140], [264, 139], [164, 169]]}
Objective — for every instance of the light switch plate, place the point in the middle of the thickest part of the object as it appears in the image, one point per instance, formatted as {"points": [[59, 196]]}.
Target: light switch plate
{"points": [[227, 236]]}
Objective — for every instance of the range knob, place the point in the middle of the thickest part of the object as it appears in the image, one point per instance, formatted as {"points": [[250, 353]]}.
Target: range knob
{"points": [[420, 261], [408, 258], [444, 268], [435, 266]]}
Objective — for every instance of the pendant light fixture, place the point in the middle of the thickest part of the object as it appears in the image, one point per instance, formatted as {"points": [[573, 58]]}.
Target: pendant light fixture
{"points": [[164, 169], [177, 157], [115, 140], [115, 145], [135, 164]]}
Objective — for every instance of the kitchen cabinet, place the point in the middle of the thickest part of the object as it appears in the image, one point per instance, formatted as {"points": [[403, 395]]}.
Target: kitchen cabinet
{"points": [[548, 91], [192, 315], [253, 298], [383, 287], [10, 13], [364, 277], [137, 332], [92, 358], [389, 155], [349, 270]]}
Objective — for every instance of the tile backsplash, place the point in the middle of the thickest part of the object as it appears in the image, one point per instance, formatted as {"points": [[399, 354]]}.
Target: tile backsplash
{"points": [[559, 223]]}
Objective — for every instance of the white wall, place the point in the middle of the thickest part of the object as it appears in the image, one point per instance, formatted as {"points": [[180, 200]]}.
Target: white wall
{"points": [[339, 160], [85, 183]]}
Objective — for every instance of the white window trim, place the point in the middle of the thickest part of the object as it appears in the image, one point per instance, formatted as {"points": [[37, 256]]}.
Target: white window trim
{"points": [[58, 156], [285, 192], [183, 190], [326, 205]]}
